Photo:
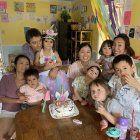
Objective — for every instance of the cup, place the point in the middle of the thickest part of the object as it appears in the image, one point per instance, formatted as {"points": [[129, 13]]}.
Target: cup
{"points": [[113, 133]]}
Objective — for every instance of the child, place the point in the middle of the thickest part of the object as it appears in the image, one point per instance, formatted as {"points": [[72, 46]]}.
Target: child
{"points": [[101, 94], [55, 80], [33, 90], [81, 83], [106, 59], [48, 56], [127, 92]]}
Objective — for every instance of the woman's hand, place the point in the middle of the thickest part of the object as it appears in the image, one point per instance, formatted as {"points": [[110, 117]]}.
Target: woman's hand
{"points": [[43, 90], [22, 99]]}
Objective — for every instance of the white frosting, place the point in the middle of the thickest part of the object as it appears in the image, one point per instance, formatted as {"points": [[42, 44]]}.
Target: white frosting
{"points": [[63, 111]]}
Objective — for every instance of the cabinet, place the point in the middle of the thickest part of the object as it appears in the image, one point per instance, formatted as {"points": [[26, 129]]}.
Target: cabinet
{"points": [[64, 40], [78, 37]]}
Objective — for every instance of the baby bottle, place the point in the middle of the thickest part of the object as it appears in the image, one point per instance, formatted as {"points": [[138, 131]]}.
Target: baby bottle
{"points": [[122, 125], [113, 133]]}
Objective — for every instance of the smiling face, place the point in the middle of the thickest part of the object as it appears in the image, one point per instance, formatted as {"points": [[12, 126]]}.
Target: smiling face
{"points": [[85, 54], [98, 92], [32, 81], [119, 46], [93, 73], [123, 69]]}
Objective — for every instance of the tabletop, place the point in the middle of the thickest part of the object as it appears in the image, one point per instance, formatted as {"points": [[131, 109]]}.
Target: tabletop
{"points": [[33, 124]]}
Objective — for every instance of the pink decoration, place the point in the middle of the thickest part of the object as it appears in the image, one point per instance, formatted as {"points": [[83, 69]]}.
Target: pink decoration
{"points": [[127, 17], [47, 96]]}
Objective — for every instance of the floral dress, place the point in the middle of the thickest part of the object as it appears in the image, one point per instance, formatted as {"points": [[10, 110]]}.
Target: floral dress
{"points": [[80, 85]]}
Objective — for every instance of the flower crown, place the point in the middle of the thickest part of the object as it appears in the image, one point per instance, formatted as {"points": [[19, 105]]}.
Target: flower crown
{"points": [[50, 34]]}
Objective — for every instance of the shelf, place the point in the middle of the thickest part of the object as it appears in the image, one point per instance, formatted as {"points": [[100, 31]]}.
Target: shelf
{"points": [[78, 37]]}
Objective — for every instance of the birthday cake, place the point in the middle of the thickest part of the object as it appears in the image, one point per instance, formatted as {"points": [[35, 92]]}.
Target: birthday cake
{"points": [[63, 108]]}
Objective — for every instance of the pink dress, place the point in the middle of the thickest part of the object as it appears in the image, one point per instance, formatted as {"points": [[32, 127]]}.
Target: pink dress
{"points": [[32, 94]]}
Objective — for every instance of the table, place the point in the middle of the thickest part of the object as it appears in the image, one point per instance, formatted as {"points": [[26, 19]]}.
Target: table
{"points": [[33, 124]]}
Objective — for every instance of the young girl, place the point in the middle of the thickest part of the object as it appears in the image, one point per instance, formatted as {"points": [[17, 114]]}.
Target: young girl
{"points": [[101, 94], [48, 56], [33, 90], [81, 83], [55, 80], [106, 59]]}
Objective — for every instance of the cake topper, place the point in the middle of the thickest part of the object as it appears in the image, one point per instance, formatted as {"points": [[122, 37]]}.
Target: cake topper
{"points": [[62, 96], [49, 33]]}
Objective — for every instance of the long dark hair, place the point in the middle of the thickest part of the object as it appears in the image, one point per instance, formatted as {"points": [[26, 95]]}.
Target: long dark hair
{"points": [[128, 48], [18, 57]]}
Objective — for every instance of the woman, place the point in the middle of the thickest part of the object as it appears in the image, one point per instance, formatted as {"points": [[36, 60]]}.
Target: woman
{"points": [[80, 66], [121, 45], [9, 84]]}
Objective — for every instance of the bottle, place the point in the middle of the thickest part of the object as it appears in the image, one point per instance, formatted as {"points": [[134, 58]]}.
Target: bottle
{"points": [[122, 125], [113, 133]]}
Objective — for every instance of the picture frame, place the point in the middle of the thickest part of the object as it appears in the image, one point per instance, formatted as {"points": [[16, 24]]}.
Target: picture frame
{"points": [[53, 9]]}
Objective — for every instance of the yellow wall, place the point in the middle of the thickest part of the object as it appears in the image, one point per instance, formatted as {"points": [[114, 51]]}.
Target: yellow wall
{"points": [[135, 21], [13, 32], [77, 17]]}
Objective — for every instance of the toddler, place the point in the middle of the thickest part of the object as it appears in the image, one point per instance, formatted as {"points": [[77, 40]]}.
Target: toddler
{"points": [[101, 94], [81, 84], [106, 59], [48, 56], [33, 91]]}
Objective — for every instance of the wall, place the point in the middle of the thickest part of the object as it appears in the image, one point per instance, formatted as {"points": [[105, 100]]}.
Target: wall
{"points": [[135, 21], [12, 32], [78, 15]]}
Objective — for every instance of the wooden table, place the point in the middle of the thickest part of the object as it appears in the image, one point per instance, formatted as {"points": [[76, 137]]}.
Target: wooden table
{"points": [[32, 124]]}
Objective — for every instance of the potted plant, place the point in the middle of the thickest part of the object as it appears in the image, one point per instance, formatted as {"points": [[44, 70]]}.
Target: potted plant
{"points": [[65, 16]]}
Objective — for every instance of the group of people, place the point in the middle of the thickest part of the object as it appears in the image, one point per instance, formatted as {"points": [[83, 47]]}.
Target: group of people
{"points": [[111, 81]]}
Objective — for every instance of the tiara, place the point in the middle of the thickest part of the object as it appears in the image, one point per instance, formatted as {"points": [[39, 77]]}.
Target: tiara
{"points": [[50, 34]]}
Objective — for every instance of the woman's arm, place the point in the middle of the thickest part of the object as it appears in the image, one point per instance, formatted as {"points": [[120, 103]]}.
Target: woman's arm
{"points": [[37, 62], [11, 100]]}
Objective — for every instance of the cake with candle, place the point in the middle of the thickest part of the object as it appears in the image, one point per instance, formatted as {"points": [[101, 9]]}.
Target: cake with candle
{"points": [[63, 107]]}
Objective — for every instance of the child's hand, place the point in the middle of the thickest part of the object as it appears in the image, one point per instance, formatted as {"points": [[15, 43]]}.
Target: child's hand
{"points": [[103, 124], [101, 110], [50, 63], [23, 99], [132, 81]]}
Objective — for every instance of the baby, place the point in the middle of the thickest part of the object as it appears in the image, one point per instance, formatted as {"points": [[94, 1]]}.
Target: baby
{"points": [[33, 90]]}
